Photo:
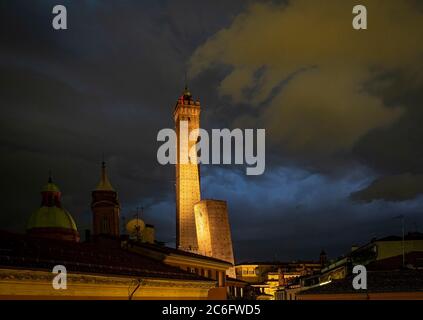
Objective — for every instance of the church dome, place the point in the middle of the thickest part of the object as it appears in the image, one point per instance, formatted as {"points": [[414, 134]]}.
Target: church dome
{"points": [[51, 217], [51, 220]]}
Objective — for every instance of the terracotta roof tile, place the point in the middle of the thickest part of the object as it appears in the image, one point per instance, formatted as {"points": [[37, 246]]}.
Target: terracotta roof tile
{"points": [[377, 281]]}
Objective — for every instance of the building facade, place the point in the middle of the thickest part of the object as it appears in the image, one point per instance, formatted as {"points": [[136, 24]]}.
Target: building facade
{"points": [[394, 271], [268, 278], [207, 267]]}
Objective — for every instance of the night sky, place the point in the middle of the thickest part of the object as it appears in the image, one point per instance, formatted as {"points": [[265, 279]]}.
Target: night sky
{"points": [[342, 110]]}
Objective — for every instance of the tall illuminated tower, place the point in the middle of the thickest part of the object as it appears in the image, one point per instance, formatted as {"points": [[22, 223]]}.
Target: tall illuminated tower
{"points": [[187, 118]]}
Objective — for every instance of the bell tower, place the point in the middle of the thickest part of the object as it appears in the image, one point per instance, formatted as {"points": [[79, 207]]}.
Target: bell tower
{"points": [[187, 119], [105, 207]]}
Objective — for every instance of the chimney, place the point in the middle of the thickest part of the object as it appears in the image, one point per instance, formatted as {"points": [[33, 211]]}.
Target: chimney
{"points": [[323, 259]]}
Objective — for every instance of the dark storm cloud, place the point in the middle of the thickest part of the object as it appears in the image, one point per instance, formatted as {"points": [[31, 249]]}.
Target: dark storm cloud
{"points": [[292, 213], [397, 148], [395, 151], [323, 91], [392, 188], [105, 85]]}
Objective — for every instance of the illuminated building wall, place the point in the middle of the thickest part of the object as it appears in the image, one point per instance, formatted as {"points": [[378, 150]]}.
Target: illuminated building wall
{"points": [[26, 284], [213, 231], [187, 175]]}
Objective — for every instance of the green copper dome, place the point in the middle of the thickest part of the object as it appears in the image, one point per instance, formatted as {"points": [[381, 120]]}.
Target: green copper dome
{"points": [[51, 217]]}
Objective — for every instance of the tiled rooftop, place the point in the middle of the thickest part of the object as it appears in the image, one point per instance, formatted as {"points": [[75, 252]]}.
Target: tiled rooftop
{"points": [[377, 281], [105, 258], [168, 250]]}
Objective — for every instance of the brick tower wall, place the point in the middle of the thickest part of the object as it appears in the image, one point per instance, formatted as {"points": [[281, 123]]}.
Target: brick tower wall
{"points": [[187, 177], [213, 230]]}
